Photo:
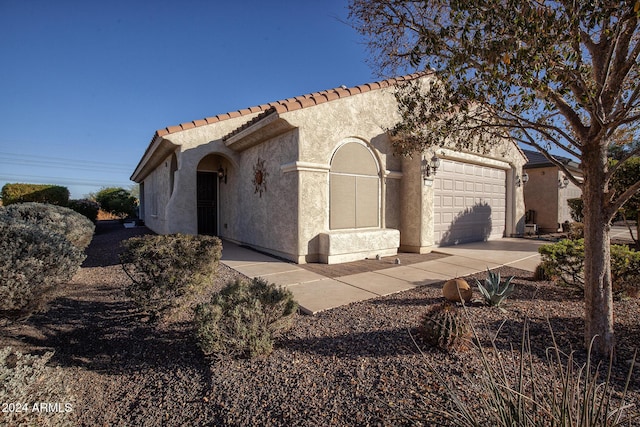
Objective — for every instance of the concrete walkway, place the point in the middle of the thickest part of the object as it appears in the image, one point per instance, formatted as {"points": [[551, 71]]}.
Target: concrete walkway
{"points": [[315, 292]]}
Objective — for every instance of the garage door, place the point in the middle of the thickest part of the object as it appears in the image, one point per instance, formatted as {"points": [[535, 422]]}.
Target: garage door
{"points": [[469, 203]]}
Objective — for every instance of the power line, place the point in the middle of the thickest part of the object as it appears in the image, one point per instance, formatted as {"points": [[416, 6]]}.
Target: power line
{"points": [[64, 161], [52, 164], [59, 158], [63, 181]]}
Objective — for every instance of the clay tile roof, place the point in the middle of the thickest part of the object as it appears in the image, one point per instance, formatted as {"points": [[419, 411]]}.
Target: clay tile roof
{"points": [[331, 95], [321, 97], [291, 104], [308, 102], [172, 129], [342, 92], [280, 108]]}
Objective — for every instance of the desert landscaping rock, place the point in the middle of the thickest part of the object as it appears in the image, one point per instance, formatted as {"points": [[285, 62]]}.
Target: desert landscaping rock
{"points": [[353, 365]]}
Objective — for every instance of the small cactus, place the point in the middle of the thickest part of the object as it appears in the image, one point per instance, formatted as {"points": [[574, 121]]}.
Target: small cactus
{"points": [[444, 326]]}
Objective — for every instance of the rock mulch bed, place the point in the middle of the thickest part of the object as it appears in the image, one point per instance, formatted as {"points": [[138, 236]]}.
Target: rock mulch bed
{"points": [[353, 365]]}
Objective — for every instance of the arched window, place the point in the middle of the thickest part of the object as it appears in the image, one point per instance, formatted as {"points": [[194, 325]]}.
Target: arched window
{"points": [[354, 188]]}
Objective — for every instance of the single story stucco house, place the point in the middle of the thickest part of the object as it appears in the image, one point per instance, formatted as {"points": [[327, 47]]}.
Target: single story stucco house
{"points": [[314, 179], [547, 191]]}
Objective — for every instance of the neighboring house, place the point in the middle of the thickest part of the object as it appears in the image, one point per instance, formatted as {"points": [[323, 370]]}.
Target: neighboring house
{"points": [[547, 191], [315, 179]]}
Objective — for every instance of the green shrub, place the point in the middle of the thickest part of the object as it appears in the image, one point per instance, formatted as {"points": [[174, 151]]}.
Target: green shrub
{"points": [[57, 219], [33, 261], [27, 381], [576, 231], [243, 319], [576, 207], [86, 207], [625, 269], [117, 201], [564, 262], [164, 268], [19, 193]]}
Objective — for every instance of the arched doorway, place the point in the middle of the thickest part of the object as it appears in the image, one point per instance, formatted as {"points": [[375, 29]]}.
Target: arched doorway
{"points": [[207, 197]]}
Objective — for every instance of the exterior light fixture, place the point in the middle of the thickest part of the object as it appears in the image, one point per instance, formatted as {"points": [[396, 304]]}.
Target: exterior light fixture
{"points": [[522, 180], [222, 174], [564, 182], [429, 168]]}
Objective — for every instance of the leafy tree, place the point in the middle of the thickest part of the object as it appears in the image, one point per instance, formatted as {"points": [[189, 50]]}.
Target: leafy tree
{"points": [[628, 175], [622, 144], [118, 201], [554, 75]]}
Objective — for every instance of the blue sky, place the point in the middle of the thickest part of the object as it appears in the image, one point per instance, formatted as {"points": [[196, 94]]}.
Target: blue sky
{"points": [[84, 84]]}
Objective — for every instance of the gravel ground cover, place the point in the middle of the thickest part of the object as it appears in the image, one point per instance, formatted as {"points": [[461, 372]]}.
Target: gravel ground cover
{"points": [[353, 365]]}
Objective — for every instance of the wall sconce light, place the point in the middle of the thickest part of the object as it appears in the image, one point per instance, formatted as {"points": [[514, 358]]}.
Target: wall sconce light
{"points": [[222, 174], [429, 168], [522, 181], [564, 182]]}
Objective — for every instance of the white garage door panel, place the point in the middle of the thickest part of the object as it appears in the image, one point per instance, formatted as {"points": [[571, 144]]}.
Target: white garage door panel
{"points": [[469, 203]]}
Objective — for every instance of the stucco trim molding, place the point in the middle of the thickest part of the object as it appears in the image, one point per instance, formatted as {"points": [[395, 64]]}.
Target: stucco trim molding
{"points": [[472, 158], [159, 150], [352, 245], [305, 166], [393, 174], [256, 131]]}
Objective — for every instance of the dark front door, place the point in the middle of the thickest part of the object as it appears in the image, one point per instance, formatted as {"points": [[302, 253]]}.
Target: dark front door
{"points": [[207, 203]]}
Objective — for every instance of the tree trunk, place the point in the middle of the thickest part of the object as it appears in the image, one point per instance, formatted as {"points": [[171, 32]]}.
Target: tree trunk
{"points": [[597, 256], [636, 239]]}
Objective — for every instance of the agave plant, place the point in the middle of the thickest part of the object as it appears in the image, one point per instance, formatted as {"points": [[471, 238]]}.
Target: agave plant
{"points": [[493, 291]]}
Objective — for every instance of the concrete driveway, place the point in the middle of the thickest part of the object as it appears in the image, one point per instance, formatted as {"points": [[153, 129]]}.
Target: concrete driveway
{"points": [[517, 253], [315, 292]]}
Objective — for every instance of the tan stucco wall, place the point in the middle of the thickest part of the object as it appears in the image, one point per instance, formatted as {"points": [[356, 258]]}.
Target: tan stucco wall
{"points": [[543, 195], [571, 191], [416, 231], [269, 221], [322, 130], [157, 192], [193, 145]]}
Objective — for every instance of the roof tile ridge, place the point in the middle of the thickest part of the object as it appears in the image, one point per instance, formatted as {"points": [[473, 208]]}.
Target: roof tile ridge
{"points": [[295, 103], [264, 113]]}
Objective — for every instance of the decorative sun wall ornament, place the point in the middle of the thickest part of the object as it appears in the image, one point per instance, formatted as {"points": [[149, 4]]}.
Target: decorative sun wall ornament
{"points": [[260, 177]]}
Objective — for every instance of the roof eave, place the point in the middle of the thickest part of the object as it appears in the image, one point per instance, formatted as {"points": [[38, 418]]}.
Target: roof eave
{"points": [[262, 128], [159, 149]]}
